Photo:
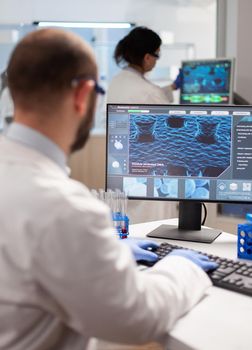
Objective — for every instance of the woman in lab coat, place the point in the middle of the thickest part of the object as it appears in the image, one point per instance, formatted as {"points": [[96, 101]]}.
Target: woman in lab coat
{"points": [[139, 51]]}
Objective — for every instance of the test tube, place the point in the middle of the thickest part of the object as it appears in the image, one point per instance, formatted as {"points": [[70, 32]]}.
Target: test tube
{"points": [[101, 194], [94, 193], [125, 226], [117, 202]]}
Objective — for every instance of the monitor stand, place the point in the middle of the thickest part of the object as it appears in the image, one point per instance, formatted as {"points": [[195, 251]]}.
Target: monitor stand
{"points": [[189, 226]]}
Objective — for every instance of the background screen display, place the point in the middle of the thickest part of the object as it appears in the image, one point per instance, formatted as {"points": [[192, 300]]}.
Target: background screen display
{"points": [[206, 82]]}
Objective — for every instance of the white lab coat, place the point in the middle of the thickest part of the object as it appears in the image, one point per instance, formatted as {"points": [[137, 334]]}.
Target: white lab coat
{"points": [[129, 86], [64, 277]]}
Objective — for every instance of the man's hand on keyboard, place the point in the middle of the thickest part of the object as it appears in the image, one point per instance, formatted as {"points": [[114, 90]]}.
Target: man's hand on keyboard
{"points": [[199, 259], [141, 249]]}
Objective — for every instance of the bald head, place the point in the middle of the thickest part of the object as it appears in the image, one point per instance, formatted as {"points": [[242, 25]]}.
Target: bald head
{"points": [[42, 66]]}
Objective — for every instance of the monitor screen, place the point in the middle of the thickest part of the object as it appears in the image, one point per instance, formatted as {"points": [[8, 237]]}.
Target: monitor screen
{"points": [[207, 82], [183, 153]]}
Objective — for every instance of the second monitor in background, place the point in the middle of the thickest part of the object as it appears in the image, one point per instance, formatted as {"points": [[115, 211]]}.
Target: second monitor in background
{"points": [[207, 81]]}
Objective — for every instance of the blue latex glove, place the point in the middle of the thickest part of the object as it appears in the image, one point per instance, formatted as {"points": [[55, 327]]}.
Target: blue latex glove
{"points": [[141, 248], [178, 81], [199, 259]]}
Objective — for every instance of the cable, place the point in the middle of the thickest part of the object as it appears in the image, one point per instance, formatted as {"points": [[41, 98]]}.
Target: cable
{"points": [[205, 214]]}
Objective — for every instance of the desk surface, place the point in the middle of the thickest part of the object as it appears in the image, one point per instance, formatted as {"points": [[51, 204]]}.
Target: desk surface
{"points": [[223, 319]]}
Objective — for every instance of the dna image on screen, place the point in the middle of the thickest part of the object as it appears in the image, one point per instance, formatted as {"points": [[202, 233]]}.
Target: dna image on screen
{"points": [[179, 146]]}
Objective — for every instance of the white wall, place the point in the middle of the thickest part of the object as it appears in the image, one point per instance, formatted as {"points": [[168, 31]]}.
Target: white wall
{"points": [[191, 20], [244, 50], [231, 27], [239, 44]]}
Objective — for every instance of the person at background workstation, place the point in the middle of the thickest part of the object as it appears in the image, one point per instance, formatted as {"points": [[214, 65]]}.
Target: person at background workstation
{"points": [[64, 277], [138, 52]]}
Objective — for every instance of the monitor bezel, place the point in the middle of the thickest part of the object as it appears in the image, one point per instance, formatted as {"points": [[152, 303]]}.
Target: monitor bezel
{"points": [[214, 60], [172, 105]]}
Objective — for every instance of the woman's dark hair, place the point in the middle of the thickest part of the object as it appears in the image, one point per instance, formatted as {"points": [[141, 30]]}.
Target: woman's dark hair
{"points": [[133, 47]]}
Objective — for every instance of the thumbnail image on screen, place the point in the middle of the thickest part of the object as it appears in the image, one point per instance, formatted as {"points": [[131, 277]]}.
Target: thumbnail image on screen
{"points": [[207, 82]]}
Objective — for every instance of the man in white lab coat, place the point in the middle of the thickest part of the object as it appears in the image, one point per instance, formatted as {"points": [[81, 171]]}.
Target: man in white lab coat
{"points": [[64, 278]]}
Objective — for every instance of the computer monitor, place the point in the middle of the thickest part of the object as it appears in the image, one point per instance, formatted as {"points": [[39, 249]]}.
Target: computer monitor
{"points": [[191, 154], [207, 81]]}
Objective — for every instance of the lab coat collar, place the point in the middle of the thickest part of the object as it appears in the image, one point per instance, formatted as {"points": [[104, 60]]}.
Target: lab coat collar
{"points": [[133, 70], [35, 140]]}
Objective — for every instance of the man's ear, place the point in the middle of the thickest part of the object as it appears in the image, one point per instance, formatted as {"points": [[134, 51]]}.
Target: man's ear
{"points": [[81, 96]]}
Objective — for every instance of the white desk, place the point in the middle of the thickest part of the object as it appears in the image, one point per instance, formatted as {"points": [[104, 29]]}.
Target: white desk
{"points": [[223, 319]]}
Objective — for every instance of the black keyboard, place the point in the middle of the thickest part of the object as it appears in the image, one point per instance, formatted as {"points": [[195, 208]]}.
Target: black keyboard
{"points": [[231, 274]]}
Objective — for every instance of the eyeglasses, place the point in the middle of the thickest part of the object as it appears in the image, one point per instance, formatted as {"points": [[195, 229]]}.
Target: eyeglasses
{"points": [[156, 55], [98, 89]]}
